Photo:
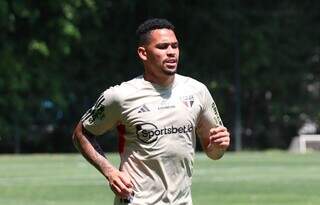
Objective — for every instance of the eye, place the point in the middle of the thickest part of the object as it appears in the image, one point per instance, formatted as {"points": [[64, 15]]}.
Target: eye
{"points": [[162, 45], [175, 45]]}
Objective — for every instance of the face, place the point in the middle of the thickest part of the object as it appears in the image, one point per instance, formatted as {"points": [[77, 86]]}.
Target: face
{"points": [[161, 54]]}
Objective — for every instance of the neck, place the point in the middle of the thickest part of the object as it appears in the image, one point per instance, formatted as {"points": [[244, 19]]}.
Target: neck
{"points": [[163, 81]]}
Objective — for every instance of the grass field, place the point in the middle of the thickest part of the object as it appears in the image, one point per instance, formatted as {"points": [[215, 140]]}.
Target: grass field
{"points": [[249, 178]]}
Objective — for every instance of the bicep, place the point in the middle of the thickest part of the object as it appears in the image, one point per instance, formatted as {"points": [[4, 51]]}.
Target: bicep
{"points": [[205, 123], [208, 118]]}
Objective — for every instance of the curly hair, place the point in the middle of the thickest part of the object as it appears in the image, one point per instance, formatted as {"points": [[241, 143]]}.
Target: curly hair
{"points": [[143, 31]]}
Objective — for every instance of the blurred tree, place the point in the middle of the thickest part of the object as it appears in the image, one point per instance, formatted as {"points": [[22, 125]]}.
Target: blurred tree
{"points": [[57, 56], [278, 41]]}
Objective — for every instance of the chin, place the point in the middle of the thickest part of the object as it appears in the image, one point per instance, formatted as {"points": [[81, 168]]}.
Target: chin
{"points": [[170, 71]]}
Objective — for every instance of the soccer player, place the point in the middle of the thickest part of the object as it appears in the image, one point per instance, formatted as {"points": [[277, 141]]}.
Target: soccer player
{"points": [[158, 116]]}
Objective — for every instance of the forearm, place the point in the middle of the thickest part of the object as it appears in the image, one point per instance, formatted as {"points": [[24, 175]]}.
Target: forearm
{"points": [[92, 152]]}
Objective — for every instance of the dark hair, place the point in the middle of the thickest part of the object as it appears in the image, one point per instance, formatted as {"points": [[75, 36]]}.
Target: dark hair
{"points": [[143, 31]]}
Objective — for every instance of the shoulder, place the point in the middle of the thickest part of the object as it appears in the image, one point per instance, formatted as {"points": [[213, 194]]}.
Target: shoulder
{"points": [[195, 88], [119, 92], [191, 83]]}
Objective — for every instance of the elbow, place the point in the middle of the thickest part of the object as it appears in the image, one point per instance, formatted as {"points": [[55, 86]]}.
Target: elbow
{"points": [[76, 134], [75, 140]]}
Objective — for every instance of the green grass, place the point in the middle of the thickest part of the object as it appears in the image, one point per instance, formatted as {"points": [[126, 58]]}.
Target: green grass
{"points": [[249, 178]]}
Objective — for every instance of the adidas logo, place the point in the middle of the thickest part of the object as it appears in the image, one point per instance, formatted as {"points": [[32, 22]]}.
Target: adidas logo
{"points": [[143, 108]]}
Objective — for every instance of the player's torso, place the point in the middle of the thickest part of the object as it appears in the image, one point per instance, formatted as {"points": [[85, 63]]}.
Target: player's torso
{"points": [[160, 138], [161, 120]]}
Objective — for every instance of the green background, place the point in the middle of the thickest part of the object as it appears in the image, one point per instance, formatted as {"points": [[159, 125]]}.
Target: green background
{"points": [[56, 57], [247, 178]]}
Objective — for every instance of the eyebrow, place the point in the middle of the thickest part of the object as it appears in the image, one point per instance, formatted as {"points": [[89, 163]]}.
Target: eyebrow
{"points": [[176, 43]]}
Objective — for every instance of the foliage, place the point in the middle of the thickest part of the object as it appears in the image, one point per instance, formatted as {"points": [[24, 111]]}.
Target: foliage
{"points": [[57, 56]]}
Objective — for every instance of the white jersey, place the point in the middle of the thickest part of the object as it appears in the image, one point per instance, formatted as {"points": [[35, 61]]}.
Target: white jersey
{"points": [[157, 128]]}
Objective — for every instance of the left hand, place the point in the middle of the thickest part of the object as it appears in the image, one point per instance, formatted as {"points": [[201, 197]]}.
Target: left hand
{"points": [[219, 138]]}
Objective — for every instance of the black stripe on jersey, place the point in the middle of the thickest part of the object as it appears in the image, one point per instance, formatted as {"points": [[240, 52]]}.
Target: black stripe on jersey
{"points": [[91, 111], [87, 115], [216, 113], [99, 101]]}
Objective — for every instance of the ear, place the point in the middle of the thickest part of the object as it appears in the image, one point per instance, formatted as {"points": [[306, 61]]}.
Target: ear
{"points": [[142, 53]]}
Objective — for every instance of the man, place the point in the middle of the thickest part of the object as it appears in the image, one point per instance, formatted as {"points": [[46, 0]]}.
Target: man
{"points": [[157, 116]]}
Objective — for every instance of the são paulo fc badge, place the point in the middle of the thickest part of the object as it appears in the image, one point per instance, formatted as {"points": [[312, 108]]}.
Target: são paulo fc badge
{"points": [[187, 100]]}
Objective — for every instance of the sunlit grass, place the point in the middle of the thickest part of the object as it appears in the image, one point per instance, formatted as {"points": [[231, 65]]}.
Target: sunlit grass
{"points": [[261, 178]]}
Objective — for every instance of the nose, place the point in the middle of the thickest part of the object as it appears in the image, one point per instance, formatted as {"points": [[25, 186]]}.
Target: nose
{"points": [[171, 51]]}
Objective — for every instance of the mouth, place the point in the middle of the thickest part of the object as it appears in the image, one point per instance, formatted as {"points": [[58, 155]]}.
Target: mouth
{"points": [[171, 63]]}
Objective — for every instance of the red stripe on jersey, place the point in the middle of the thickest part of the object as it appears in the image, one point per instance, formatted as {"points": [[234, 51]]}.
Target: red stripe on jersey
{"points": [[121, 131]]}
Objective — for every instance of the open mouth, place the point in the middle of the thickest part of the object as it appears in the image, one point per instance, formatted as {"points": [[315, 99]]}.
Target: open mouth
{"points": [[171, 62]]}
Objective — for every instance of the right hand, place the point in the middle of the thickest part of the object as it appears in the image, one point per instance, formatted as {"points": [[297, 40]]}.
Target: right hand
{"points": [[120, 183]]}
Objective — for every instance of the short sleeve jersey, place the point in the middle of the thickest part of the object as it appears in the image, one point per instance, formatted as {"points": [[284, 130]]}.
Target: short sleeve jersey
{"points": [[157, 128]]}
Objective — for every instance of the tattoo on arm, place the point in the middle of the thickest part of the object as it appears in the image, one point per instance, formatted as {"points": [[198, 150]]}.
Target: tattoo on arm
{"points": [[92, 139], [88, 146]]}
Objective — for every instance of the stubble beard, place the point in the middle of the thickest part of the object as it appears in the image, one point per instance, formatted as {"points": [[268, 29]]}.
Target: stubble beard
{"points": [[169, 72]]}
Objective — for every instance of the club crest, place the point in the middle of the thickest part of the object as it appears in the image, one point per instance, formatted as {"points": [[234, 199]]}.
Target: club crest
{"points": [[187, 100]]}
